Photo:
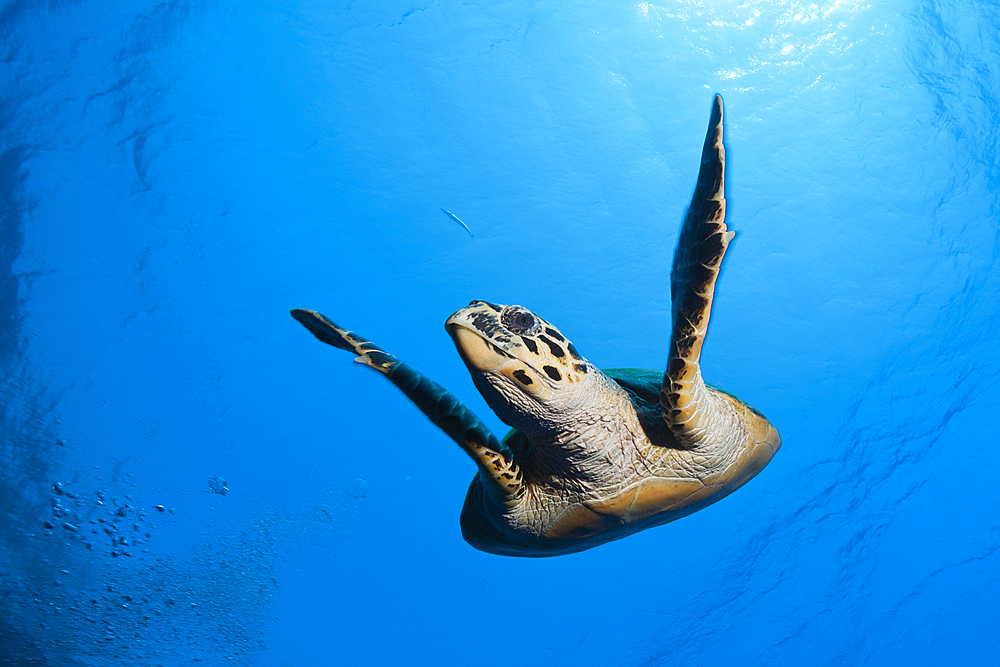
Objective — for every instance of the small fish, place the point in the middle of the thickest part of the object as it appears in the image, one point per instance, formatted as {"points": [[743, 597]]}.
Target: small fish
{"points": [[458, 220]]}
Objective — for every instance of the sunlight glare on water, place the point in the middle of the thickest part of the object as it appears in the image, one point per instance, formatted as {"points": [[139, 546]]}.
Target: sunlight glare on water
{"points": [[766, 34]]}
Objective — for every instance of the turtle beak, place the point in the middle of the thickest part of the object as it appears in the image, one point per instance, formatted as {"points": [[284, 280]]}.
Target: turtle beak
{"points": [[468, 327], [483, 344], [474, 349]]}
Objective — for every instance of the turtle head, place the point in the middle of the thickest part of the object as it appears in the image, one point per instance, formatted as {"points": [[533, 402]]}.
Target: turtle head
{"points": [[528, 372]]}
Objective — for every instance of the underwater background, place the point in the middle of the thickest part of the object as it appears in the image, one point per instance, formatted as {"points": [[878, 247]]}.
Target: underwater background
{"points": [[188, 477]]}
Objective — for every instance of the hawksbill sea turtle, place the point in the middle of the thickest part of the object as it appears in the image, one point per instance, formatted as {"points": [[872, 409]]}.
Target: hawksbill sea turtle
{"points": [[592, 456]]}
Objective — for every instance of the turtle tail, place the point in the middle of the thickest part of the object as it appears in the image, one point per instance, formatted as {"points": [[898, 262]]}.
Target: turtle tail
{"points": [[495, 459]]}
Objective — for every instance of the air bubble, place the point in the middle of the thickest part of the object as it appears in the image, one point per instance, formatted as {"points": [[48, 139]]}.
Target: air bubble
{"points": [[323, 514], [357, 488]]}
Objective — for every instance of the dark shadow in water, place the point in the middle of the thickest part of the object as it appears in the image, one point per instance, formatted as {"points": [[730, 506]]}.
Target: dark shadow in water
{"points": [[75, 592], [28, 447], [11, 240]]}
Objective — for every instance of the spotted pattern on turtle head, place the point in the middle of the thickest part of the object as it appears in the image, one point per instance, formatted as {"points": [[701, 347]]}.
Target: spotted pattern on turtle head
{"points": [[514, 332]]}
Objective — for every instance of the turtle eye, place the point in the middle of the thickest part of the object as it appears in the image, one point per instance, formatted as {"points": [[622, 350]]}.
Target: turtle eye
{"points": [[519, 320]]}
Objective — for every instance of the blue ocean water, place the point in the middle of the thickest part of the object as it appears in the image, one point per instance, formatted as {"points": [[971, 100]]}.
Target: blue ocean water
{"points": [[188, 477]]}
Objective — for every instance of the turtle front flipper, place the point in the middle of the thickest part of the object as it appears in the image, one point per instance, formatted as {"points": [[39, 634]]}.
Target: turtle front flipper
{"points": [[688, 407], [495, 460]]}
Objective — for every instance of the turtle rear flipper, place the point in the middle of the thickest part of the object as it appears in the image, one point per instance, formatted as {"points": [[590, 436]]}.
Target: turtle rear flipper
{"points": [[495, 460], [687, 405]]}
